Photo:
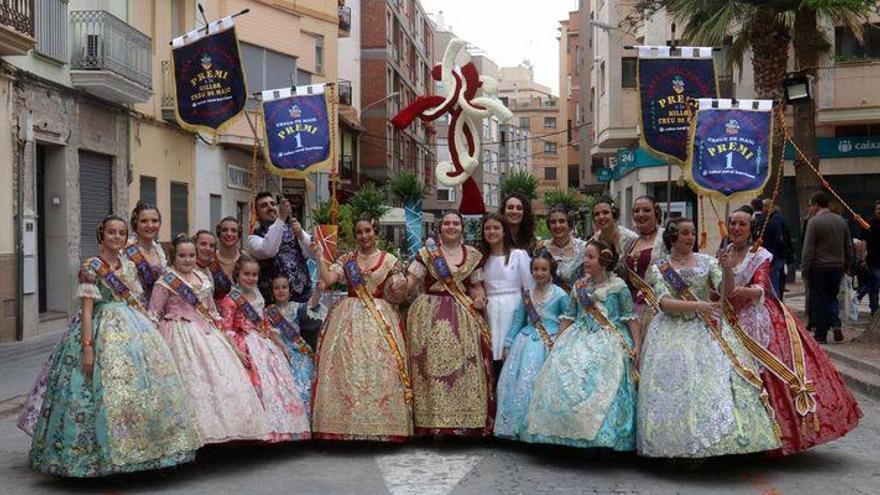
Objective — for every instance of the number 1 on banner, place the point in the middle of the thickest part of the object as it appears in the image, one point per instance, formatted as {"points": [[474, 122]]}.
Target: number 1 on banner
{"points": [[299, 143], [729, 159]]}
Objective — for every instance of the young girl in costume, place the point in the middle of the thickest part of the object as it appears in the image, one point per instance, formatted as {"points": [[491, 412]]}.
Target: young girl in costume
{"points": [[114, 402], [700, 393], [585, 394], [505, 275], [810, 401], [229, 233], [362, 389], [448, 340], [208, 263], [143, 247], [212, 369], [606, 216], [286, 317], [530, 339], [243, 320]]}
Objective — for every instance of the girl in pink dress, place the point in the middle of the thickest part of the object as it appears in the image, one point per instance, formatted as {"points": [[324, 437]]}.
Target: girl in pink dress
{"points": [[211, 368], [270, 373]]}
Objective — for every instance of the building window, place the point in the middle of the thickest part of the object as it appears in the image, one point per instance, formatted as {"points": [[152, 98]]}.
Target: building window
{"points": [[549, 148], [628, 72], [550, 173], [573, 182], [50, 29], [216, 208], [524, 122], [177, 16], [319, 54], [550, 122], [266, 69], [148, 190], [179, 208], [847, 46], [445, 194]]}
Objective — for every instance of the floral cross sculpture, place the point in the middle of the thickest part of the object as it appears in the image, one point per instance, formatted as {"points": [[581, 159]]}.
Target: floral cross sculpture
{"points": [[469, 99]]}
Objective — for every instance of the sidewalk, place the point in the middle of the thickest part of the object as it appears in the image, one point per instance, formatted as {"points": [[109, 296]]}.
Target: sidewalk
{"points": [[858, 363], [20, 363]]}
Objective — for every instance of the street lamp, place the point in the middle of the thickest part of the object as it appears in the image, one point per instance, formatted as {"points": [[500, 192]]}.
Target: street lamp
{"points": [[380, 100], [797, 87]]}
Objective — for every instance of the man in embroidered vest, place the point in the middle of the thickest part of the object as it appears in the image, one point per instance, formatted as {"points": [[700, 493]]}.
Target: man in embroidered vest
{"points": [[280, 245]]}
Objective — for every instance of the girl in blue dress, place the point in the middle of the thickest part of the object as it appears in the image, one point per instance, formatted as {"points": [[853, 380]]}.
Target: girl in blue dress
{"points": [[535, 323], [114, 401], [287, 317], [585, 395]]}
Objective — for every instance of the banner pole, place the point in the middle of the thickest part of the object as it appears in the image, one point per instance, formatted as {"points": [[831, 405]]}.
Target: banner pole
{"points": [[205, 28], [334, 171]]}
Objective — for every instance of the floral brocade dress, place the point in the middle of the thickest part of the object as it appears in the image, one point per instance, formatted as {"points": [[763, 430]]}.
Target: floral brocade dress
{"points": [[270, 374], [451, 364], [570, 267], [773, 325], [148, 274], [527, 352], [585, 395], [359, 392], [692, 401], [218, 387], [132, 413], [302, 365]]}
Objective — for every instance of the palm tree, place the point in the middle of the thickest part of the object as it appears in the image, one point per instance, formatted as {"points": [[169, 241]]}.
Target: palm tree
{"points": [[767, 28]]}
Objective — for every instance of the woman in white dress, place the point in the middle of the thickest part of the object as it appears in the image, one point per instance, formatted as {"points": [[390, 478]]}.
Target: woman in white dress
{"points": [[505, 273]]}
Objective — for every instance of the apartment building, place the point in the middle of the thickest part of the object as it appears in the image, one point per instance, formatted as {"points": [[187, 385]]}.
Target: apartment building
{"points": [[536, 109], [396, 57], [848, 118], [571, 112]]}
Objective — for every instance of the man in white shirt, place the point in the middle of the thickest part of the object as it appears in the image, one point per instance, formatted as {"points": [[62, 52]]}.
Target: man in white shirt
{"points": [[280, 245]]}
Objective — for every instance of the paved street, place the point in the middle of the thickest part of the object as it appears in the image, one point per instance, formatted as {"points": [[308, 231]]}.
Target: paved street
{"points": [[847, 466]]}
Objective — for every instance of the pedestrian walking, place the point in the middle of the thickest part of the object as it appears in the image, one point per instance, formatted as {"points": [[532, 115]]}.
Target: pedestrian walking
{"points": [[871, 239], [776, 240], [827, 255]]}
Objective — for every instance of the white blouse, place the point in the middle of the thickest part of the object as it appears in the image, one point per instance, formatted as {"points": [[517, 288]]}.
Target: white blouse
{"points": [[499, 279]]}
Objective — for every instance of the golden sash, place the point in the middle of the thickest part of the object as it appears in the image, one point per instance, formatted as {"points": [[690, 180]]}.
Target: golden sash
{"points": [[356, 279]]}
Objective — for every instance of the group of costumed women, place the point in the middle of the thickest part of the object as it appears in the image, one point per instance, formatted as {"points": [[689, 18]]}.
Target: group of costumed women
{"points": [[628, 341]]}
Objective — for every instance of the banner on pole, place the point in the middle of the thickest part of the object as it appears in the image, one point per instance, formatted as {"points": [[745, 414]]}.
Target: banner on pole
{"points": [[209, 79], [298, 135], [730, 147], [667, 86]]}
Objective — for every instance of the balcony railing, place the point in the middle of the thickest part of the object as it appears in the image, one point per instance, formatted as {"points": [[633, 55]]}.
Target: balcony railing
{"points": [[344, 87], [101, 41], [19, 15], [344, 19]]}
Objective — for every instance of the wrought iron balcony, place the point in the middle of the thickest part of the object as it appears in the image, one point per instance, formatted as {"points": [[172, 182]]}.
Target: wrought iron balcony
{"points": [[16, 27], [344, 91], [167, 92], [344, 21], [110, 58]]}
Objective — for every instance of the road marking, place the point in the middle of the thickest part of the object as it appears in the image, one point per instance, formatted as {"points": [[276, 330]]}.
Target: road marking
{"points": [[424, 472]]}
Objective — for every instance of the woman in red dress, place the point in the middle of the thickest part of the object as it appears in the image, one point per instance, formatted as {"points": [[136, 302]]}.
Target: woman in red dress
{"points": [[811, 403]]}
